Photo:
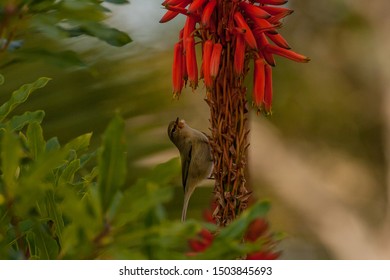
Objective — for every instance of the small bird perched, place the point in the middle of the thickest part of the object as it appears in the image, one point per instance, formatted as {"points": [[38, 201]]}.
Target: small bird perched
{"points": [[195, 154]]}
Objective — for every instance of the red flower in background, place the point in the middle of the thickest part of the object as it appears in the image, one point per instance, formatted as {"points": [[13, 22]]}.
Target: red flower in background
{"points": [[257, 229], [252, 31], [201, 242]]}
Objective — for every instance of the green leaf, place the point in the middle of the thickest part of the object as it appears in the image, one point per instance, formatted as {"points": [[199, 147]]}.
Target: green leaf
{"points": [[19, 96], [165, 172], [80, 143], [48, 247], [110, 35], [54, 212], [153, 190], [52, 145], [43, 166], [11, 154], [1, 79], [60, 59], [35, 139], [68, 173], [112, 162], [18, 122], [237, 228], [149, 196]]}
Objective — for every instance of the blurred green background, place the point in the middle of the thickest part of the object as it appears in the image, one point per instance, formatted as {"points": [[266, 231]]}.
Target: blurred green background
{"points": [[320, 158]]}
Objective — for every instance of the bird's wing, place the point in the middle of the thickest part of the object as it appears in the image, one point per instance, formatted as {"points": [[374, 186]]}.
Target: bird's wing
{"points": [[185, 164]]}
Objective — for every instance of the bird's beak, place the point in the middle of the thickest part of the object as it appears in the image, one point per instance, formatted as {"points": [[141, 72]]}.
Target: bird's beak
{"points": [[177, 121]]}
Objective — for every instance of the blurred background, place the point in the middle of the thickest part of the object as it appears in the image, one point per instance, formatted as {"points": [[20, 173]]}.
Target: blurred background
{"points": [[321, 158]]}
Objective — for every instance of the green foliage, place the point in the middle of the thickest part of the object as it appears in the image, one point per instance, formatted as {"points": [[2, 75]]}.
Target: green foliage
{"points": [[112, 162], [66, 202], [55, 20]]}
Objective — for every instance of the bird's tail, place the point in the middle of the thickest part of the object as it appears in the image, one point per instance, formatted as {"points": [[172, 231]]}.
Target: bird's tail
{"points": [[187, 196]]}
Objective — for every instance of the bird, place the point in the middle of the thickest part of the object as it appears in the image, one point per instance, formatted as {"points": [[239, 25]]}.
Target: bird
{"points": [[195, 154]]}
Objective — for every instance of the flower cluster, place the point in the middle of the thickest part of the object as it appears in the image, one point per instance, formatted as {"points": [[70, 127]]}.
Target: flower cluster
{"points": [[248, 29], [257, 231]]}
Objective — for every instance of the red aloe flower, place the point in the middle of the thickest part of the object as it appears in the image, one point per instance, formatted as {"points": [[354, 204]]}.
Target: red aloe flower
{"points": [[189, 27], [271, 2], [254, 21], [278, 40], [207, 12], [248, 35], [199, 244], [258, 229], [268, 89], [277, 11], [239, 55], [192, 66], [215, 60], [172, 14], [254, 11], [286, 53], [195, 5], [259, 82], [177, 69], [207, 50]]}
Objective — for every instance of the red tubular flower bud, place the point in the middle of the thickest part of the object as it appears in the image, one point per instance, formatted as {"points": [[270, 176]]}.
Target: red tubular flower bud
{"points": [[189, 27], [198, 245], [239, 54], [195, 5], [254, 11], [207, 12], [184, 67], [278, 40], [207, 51], [263, 24], [206, 235], [268, 89], [177, 69], [201, 242], [215, 60], [269, 58], [277, 10], [174, 2], [177, 9], [241, 23], [172, 13], [262, 42], [272, 2], [168, 16], [286, 53], [258, 227], [259, 81], [192, 67], [276, 19]]}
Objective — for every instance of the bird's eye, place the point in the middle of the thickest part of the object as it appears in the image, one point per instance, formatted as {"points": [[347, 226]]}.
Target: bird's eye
{"points": [[173, 129]]}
